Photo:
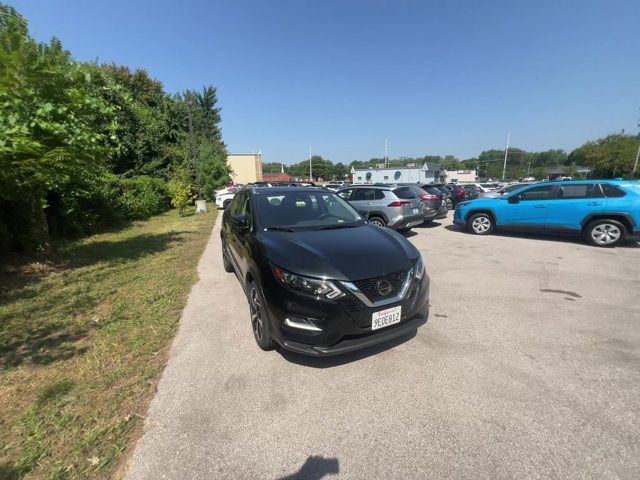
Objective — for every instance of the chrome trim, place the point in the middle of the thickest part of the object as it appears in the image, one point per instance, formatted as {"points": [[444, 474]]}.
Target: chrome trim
{"points": [[386, 301], [301, 326]]}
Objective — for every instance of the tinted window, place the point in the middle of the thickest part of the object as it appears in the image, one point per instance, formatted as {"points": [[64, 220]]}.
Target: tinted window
{"points": [[364, 194], [406, 193], [432, 190], [612, 191], [346, 194], [542, 192], [585, 190], [237, 204], [300, 209]]}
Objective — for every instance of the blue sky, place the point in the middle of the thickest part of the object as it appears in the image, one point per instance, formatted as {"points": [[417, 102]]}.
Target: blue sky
{"points": [[434, 77]]}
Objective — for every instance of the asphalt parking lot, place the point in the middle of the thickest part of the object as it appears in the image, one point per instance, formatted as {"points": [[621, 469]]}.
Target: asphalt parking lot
{"points": [[529, 367]]}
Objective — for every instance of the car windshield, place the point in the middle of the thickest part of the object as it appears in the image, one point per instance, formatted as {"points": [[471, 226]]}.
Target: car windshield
{"points": [[301, 210]]}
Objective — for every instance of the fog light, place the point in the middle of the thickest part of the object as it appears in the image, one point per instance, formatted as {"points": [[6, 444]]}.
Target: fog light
{"points": [[302, 324]]}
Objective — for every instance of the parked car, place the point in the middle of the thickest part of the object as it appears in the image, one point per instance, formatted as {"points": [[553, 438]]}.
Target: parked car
{"points": [[445, 192], [602, 211], [471, 191], [334, 187], [457, 194], [487, 187], [434, 200], [224, 196], [320, 279], [398, 208]]}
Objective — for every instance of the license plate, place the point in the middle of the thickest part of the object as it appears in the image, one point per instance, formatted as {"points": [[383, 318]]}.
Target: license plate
{"points": [[384, 318], [416, 210]]}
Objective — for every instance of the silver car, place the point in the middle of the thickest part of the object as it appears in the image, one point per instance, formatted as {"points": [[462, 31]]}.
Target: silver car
{"points": [[394, 207]]}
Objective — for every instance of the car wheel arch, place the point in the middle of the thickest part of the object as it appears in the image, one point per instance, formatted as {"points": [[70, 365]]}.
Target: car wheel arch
{"points": [[488, 211], [621, 217]]}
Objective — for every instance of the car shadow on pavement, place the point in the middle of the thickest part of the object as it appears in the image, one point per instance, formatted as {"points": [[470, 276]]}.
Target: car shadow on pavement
{"points": [[432, 224], [337, 360], [631, 242], [315, 468]]}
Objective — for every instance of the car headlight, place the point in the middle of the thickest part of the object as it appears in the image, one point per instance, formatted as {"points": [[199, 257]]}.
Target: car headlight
{"points": [[419, 268], [316, 287]]}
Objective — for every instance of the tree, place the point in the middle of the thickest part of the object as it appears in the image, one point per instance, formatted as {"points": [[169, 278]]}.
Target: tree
{"points": [[611, 156]]}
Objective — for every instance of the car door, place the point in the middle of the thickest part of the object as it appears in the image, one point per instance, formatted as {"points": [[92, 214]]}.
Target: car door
{"points": [[238, 231], [574, 202], [363, 199], [527, 208]]}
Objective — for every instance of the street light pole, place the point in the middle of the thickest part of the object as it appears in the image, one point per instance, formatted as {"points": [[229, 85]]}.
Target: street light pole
{"points": [[310, 166], [635, 165], [506, 151]]}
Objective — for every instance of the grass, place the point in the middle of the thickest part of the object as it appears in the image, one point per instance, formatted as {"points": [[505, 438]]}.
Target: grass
{"points": [[83, 339]]}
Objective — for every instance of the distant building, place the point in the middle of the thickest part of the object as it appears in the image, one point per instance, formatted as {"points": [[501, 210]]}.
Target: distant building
{"points": [[556, 173], [427, 173], [276, 177], [460, 176], [245, 167]]}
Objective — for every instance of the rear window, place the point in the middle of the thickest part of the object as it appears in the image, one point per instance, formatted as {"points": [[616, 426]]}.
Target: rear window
{"points": [[405, 193], [432, 190], [611, 191]]}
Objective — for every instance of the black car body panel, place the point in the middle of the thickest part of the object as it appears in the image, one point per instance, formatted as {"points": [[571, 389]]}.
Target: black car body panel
{"points": [[355, 259]]}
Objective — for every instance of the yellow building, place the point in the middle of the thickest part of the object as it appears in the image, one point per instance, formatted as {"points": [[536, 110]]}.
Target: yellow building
{"points": [[245, 167]]}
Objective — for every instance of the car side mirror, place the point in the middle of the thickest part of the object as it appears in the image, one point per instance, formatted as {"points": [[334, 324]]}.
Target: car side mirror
{"points": [[514, 199], [241, 221]]}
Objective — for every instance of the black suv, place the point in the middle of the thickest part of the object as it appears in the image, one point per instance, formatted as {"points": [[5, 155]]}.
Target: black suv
{"points": [[319, 279]]}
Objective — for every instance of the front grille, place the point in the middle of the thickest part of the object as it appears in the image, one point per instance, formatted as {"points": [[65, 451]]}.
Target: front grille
{"points": [[369, 286]]}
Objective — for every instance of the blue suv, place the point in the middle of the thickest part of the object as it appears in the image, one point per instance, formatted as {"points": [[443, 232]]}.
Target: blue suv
{"points": [[602, 211]]}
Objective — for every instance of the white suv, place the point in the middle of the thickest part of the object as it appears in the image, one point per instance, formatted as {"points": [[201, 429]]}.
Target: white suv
{"points": [[225, 195]]}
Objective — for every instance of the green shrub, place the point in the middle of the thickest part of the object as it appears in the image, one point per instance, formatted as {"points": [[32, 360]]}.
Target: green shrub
{"points": [[143, 197], [181, 194]]}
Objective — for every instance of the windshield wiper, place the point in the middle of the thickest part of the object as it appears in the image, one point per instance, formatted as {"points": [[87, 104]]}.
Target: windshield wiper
{"points": [[280, 229], [333, 227]]}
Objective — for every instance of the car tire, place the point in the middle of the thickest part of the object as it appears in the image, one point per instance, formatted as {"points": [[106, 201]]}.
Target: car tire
{"points": [[379, 221], [226, 263], [259, 321], [480, 224], [605, 233]]}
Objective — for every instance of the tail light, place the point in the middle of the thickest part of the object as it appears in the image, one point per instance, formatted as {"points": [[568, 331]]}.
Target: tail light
{"points": [[399, 203], [429, 196], [460, 193]]}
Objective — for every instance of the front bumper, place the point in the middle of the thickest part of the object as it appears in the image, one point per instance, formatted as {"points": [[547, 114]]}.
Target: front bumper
{"points": [[345, 323]]}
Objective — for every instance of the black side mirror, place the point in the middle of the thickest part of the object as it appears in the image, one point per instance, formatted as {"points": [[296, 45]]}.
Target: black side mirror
{"points": [[241, 221], [514, 199]]}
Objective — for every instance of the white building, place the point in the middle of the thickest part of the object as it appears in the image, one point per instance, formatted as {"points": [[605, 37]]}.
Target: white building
{"points": [[427, 173], [460, 176]]}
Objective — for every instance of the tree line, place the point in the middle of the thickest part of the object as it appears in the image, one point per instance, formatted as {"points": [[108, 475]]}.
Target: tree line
{"points": [[85, 146], [611, 156]]}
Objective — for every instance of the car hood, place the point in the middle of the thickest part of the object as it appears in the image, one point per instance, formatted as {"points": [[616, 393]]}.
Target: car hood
{"points": [[342, 254]]}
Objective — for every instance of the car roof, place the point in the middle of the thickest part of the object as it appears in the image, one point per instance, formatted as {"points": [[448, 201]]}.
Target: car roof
{"points": [[286, 189]]}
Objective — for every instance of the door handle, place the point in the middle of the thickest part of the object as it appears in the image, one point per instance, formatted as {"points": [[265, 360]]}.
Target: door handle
{"points": [[541, 206], [593, 204]]}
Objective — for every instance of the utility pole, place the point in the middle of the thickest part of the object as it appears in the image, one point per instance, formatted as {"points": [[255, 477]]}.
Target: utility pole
{"points": [[193, 147], [506, 151], [310, 166], [635, 165], [386, 155]]}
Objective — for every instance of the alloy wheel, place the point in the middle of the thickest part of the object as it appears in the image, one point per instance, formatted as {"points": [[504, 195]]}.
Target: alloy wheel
{"points": [[481, 225], [605, 234], [376, 222], [255, 308]]}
